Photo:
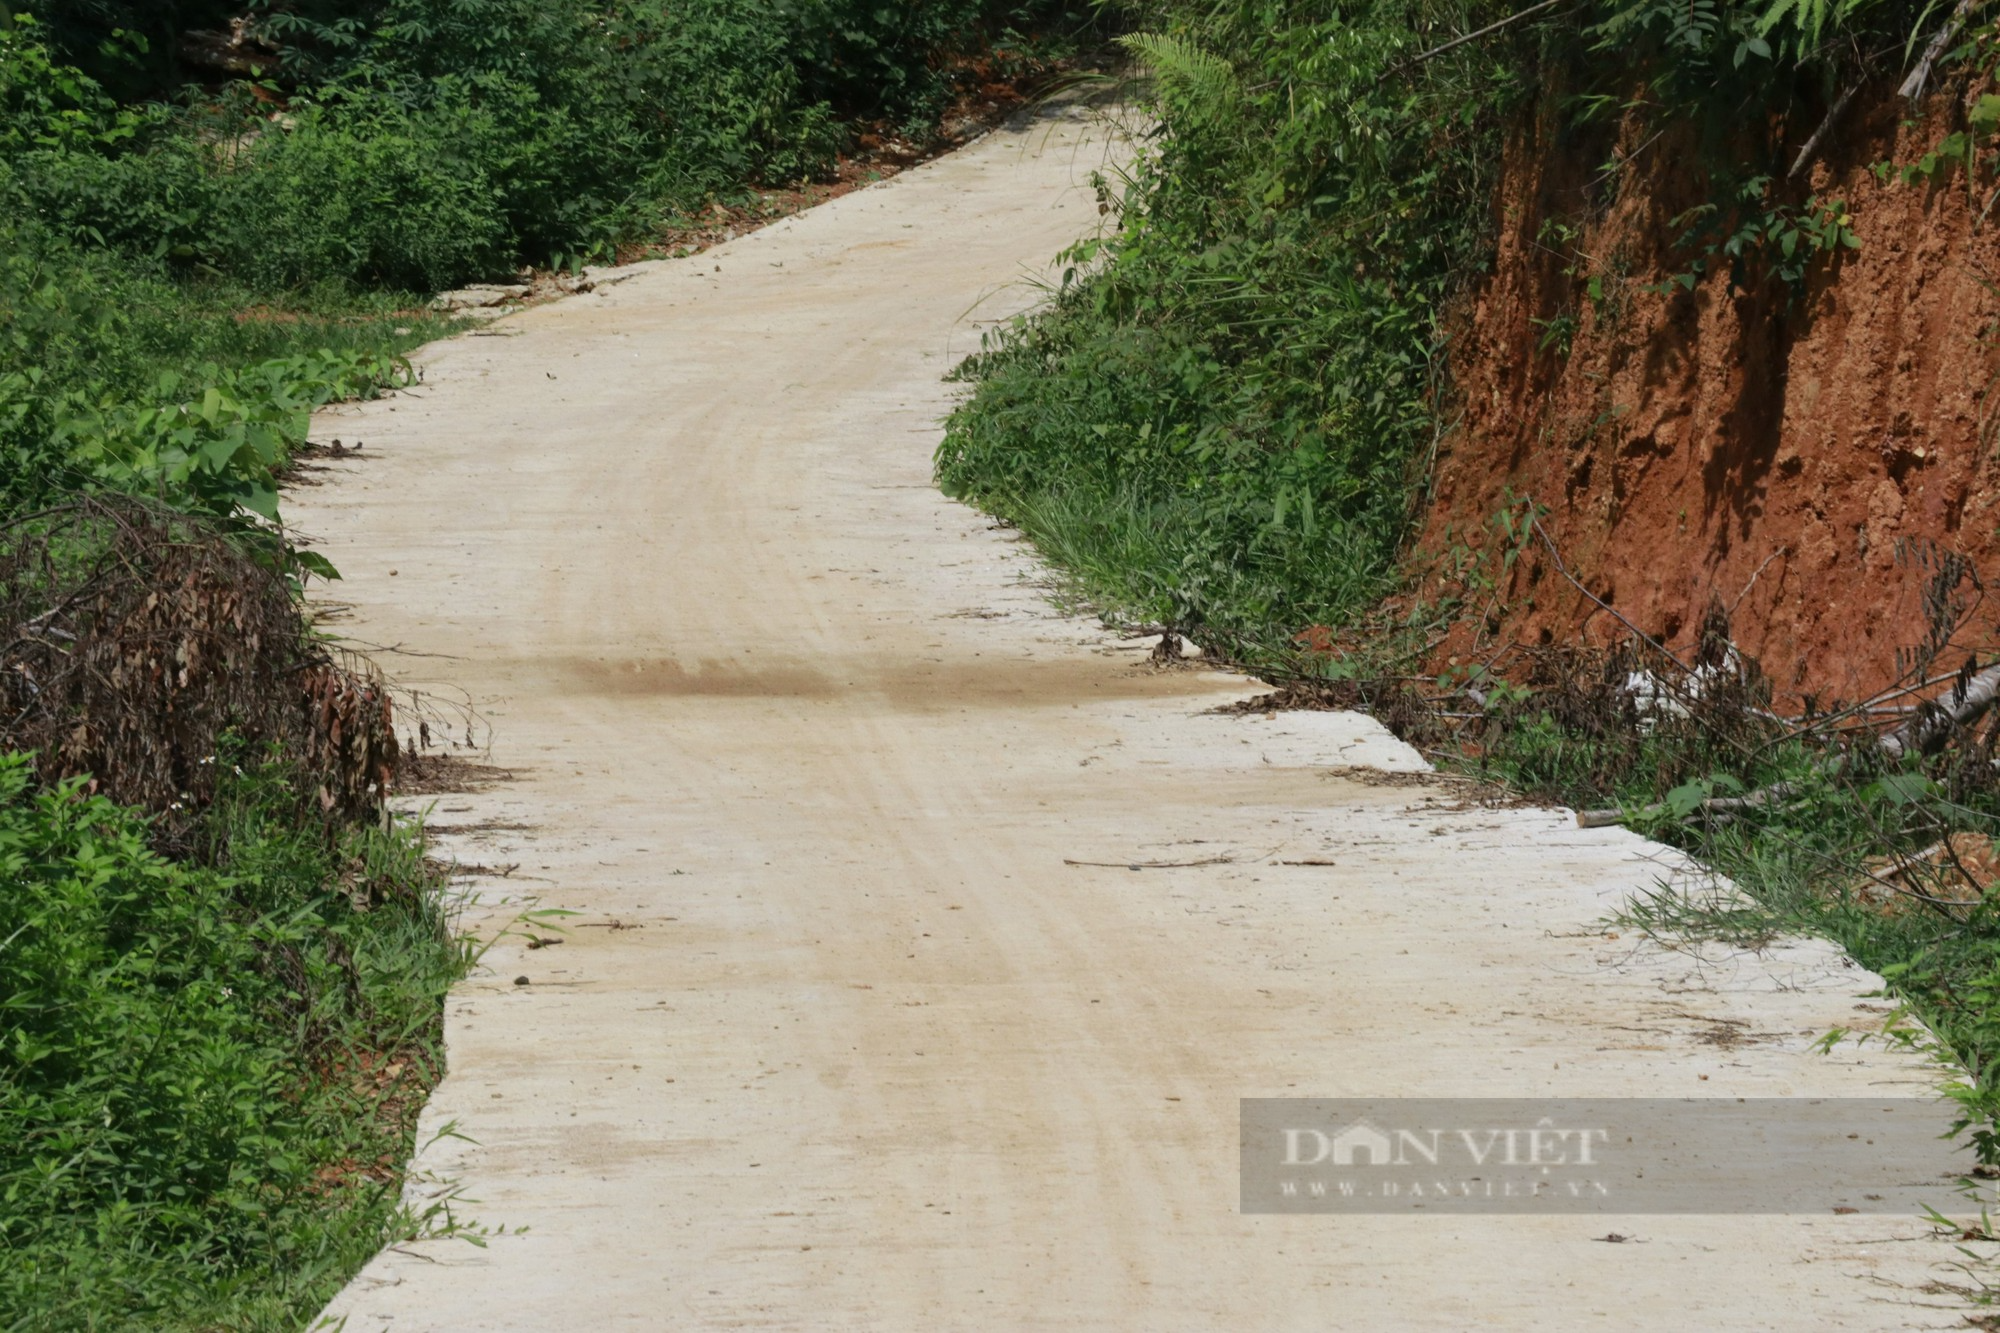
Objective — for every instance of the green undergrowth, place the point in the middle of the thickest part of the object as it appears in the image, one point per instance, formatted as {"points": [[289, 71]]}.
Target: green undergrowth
{"points": [[211, 1068], [187, 267], [421, 143], [191, 392], [1214, 421]]}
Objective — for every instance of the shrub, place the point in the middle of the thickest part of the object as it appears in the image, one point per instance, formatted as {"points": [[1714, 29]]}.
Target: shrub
{"points": [[155, 202], [364, 192], [130, 993], [171, 1040]]}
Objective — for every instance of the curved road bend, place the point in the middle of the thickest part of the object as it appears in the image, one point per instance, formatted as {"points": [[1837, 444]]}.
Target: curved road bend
{"points": [[838, 1037]]}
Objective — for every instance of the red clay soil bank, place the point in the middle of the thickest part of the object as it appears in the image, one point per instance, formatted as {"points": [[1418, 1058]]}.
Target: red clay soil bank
{"points": [[1829, 435]]}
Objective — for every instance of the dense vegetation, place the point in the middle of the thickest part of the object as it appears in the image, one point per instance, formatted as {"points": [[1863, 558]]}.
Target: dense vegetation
{"points": [[192, 1121], [432, 143], [1215, 424], [219, 1013], [153, 252]]}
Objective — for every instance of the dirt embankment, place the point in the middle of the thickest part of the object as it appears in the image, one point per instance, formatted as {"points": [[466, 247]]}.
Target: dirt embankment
{"points": [[1817, 444]]}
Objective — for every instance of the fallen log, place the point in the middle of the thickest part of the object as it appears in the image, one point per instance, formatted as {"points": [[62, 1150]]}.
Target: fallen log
{"points": [[1932, 724], [1715, 805]]}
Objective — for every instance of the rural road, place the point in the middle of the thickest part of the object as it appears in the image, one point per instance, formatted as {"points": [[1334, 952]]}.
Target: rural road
{"points": [[838, 1037]]}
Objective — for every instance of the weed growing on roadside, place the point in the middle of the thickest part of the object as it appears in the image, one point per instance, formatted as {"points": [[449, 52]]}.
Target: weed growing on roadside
{"points": [[212, 1069]]}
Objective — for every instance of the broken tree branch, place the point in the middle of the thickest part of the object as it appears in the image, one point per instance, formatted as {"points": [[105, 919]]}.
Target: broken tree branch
{"points": [[1806, 153], [1913, 87], [1474, 36], [1933, 724], [1601, 604], [1782, 550], [1715, 805]]}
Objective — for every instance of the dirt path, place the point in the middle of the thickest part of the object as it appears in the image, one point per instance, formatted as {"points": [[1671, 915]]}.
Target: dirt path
{"points": [[838, 1038]]}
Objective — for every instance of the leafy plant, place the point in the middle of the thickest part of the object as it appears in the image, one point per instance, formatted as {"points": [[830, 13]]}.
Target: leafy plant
{"points": [[1768, 30], [1808, 22], [220, 449], [177, 1099]]}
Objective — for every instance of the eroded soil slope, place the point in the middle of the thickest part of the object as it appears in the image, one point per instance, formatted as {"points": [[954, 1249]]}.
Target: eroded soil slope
{"points": [[1834, 434]]}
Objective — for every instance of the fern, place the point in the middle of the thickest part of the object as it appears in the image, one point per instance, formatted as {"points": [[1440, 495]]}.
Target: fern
{"points": [[1684, 25], [1199, 80], [1809, 19], [1763, 28]]}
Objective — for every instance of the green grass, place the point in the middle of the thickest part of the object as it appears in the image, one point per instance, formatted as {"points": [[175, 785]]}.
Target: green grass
{"points": [[1805, 871], [1162, 561], [1849, 849], [176, 324]]}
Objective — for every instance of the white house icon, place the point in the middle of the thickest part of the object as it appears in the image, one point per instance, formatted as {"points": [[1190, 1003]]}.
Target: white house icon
{"points": [[1361, 1144]]}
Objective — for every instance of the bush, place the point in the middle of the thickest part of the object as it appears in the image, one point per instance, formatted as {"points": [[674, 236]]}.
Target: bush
{"points": [[156, 202], [170, 1090], [131, 995], [366, 193]]}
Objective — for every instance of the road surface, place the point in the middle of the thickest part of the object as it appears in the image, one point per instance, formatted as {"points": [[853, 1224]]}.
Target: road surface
{"points": [[838, 1036]]}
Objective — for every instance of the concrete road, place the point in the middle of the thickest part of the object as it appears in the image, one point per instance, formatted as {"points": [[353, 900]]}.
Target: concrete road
{"points": [[839, 1036]]}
